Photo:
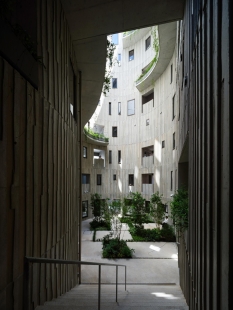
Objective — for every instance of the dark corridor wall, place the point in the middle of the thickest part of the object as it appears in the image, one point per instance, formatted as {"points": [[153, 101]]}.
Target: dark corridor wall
{"points": [[40, 173], [205, 87]]}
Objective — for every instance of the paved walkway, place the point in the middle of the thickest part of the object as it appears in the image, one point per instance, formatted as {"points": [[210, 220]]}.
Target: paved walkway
{"points": [[152, 262]]}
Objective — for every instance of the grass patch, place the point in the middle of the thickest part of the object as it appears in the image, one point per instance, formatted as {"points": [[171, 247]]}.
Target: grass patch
{"points": [[140, 234]]}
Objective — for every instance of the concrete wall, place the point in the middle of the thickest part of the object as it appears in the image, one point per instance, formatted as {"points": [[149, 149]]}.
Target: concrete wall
{"points": [[40, 172], [205, 252], [133, 132]]}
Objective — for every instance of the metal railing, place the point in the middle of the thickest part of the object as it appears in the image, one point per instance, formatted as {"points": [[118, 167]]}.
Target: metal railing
{"points": [[30, 260]]}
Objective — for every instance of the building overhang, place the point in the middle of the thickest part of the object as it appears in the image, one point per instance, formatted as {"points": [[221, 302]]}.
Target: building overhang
{"points": [[91, 21]]}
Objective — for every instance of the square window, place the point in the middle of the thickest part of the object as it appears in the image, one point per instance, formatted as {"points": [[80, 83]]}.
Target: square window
{"points": [[110, 157], [85, 178], [131, 180], [148, 42], [163, 144], [114, 131], [84, 152], [147, 122], [114, 82], [131, 55], [131, 107], [99, 179], [114, 177]]}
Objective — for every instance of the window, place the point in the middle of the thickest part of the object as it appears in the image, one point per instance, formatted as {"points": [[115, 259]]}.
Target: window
{"points": [[119, 108], [130, 107], [115, 38], [131, 180], [110, 157], [163, 144], [131, 55], [114, 82], [119, 157], [119, 57], [114, 177], [85, 178], [85, 208], [171, 180], [109, 108], [99, 179], [84, 152], [171, 72], [147, 122], [148, 97], [174, 141], [166, 208], [114, 131], [148, 42], [173, 107]]}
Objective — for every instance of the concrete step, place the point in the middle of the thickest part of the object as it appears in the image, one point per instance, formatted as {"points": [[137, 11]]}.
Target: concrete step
{"points": [[85, 297]]}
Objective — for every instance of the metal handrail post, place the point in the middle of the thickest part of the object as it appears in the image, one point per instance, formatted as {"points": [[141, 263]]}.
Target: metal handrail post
{"points": [[116, 281], [125, 278], [99, 287]]}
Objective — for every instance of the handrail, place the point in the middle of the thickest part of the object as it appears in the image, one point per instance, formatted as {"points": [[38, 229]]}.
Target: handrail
{"points": [[31, 260]]}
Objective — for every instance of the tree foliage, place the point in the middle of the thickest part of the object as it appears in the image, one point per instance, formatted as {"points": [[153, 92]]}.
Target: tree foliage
{"points": [[138, 208], [179, 209], [157, 208]]}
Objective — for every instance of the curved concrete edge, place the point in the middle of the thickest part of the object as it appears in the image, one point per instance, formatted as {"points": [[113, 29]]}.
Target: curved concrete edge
{"points": [[135, 36], [167, 40]]}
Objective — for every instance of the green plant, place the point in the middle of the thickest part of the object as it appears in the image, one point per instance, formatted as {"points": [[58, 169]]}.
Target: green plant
{"points": [[115, 248], [157, 209], [95, 135], [138, 209], [179, 209], [109, 63], [167, 233]]}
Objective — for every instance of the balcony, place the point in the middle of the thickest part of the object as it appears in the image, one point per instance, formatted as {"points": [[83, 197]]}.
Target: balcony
{"points": [[133, 36], [167, 40], [148, 189], [95, 137]]}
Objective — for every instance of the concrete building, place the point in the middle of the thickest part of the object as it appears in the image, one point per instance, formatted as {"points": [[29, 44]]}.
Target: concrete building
{"points": [[52, 70]]}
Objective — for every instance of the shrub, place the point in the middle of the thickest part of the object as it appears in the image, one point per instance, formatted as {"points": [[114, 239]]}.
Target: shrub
{"points": [[179, 209], [157, 208], [167, 233], [100, 225], [138, 209], [115, 248]]}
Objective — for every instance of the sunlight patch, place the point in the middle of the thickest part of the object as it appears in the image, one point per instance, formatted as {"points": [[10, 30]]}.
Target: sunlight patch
{"points": [[155, 248], [164, 295]]}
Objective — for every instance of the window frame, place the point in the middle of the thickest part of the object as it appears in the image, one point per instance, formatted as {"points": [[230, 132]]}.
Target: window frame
{"points": [[171, 73], [131, 57], [163, 144], [110, 156], [114, 134], [131, 178], [174, 140], [109, 108], [173, 107], [99, 179], [114, 177], [133, 107], [171, 181], [119, 108], [114, 83], [147, 47], [84, 152], [119, 156]]}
